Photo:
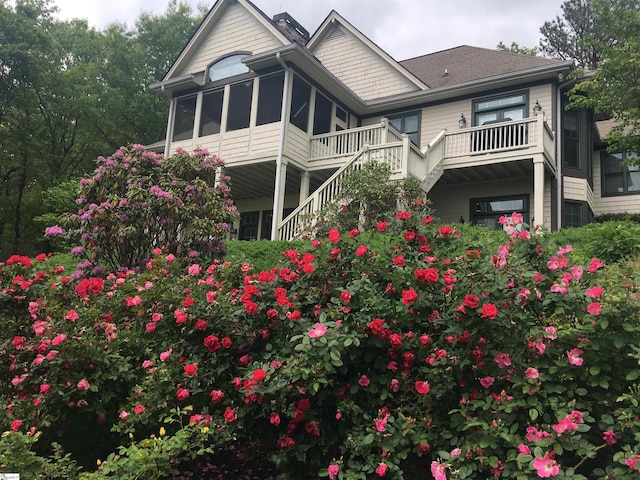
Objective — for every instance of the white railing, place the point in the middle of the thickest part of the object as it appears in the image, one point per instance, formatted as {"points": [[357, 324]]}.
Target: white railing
{"points": [[346, 143], [395, 155], [384, 144], [299, 220], [498, 137]]}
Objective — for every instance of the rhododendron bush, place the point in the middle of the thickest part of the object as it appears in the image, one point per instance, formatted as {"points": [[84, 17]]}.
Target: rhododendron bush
{"points": [[138, 200], [362, 356]]}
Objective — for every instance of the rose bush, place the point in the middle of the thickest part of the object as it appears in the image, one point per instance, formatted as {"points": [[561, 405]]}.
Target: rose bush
{"points": [[138, 200], [367, 355]]}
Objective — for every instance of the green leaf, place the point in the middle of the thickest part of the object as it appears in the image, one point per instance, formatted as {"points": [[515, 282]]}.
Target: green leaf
{"points": [[594, 370], [632, 375], [533, 414]]}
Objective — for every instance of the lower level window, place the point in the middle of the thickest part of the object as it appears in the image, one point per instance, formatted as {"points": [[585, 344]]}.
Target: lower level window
{"points": [[249, 222], [573, 214], [486, 212]]}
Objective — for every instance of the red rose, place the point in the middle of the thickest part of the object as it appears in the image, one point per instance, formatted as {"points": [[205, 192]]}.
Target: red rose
{"points": [[471, 301], [259, 375], [396, 340], [216, 396], [422, 387], [334, 235], [361, 250], [409, 296], [430, 275], [190, 370], [489, 310], [376, 325], [182, 394], [230, 415]]}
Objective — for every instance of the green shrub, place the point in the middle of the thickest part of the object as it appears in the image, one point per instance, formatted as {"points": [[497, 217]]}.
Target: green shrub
{"points": [[261, 255]]}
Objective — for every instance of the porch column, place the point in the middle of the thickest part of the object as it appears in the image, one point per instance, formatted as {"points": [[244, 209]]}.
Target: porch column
{"points": [[538, 191], [278, 203], [304, 186], [281, 167]]}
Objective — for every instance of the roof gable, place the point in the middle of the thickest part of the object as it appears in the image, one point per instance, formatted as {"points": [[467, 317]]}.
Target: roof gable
{"points": [[465, 64], [230, 26], [358, 62]]}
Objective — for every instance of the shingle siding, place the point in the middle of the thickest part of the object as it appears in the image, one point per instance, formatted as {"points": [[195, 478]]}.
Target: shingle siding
{"points": [[360, 69], [236, 30]]}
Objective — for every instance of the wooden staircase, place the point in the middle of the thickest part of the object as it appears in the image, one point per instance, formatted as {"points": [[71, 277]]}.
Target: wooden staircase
{"points": [[381, 143]]}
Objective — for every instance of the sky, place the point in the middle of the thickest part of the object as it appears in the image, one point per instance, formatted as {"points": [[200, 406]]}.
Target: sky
{"points": [[403, 28]]}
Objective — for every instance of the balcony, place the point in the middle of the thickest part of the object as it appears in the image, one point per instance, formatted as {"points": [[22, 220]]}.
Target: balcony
{"points": [[347, 150]]}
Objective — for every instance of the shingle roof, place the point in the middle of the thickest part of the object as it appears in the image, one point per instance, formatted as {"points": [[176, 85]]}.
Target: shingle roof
{"points": [[465, 63]]}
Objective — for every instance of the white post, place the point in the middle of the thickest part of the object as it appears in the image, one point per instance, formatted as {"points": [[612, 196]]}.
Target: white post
{"points": [[281, 168], [304, 186], [538, 190]]}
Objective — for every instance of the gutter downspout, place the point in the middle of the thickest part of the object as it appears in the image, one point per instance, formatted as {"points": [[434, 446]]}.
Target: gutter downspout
{"points": [[277, 208], [559, 142], [167, 140]]}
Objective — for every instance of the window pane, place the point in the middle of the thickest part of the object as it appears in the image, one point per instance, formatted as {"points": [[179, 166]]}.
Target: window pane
{"points": [[341, 114], [513, 114], [239, 111], [499, 102], [408, 123], [411, 123], [227, 67], [270, 99], [613, 183], [572, 214], [611, 163], [248, 226], [211, 113], [570, 132], [300, 104], [396, 123], [322, 115], [633, 181], [184, 118], [486, 117]]}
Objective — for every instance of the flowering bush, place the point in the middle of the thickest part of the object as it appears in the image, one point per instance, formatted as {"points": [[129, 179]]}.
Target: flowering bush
{"points": [[138, 200], [367, 355]]}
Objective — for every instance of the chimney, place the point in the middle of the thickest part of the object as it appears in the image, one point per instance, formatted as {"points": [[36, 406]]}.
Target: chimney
{"points": [[292, 29]]}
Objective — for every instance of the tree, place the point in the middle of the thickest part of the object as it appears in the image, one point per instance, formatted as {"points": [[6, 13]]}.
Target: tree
{"points": [[613, 88], [138, 201], [515, 48], [69, 93], [566, 38]]}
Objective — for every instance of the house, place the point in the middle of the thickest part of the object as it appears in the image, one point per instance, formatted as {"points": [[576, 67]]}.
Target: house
{"points": [[485, 132]]}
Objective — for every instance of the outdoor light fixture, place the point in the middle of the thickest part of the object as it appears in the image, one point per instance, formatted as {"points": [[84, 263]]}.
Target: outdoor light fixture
{"points": [[537, 108], [462, 123]]}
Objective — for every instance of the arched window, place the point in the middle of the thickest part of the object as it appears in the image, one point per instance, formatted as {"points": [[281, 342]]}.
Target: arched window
{"points": [[227, 67]]}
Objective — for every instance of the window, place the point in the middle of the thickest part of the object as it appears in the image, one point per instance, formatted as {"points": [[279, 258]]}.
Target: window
{"points": [[270, 99], [184, 118], [486, 212], [249, 222], [408, 123], [211, 114], [322, 115], [341, 114], [571, 139], [573, 214], [300, 98], [617, 178], [239, 111], [491, 110], [227, 67]]}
